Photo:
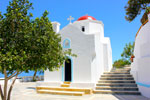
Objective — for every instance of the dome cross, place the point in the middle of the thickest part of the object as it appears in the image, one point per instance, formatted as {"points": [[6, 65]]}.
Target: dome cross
{"points": [[70, 19]]}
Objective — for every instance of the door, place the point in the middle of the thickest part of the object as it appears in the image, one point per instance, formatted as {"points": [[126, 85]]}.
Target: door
{"points": [[68, 70]]}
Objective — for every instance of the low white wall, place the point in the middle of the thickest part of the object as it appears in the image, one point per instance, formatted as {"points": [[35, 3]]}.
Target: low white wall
{"points": [[144, 90], [10, 81], [55, 84]]}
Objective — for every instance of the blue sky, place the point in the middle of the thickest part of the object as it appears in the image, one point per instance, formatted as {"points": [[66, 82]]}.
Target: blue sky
{"points": [[111, 13]]}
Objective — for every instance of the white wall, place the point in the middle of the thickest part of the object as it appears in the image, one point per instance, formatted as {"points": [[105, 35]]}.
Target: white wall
{"points": [[91, 26], [93, 70], [95, 27], [107, 54], [56, 26], [83, 46], [99, 57], [79, 24], [9, 81], [88, 46], [53, 76], [97, 62], [140, 67]]}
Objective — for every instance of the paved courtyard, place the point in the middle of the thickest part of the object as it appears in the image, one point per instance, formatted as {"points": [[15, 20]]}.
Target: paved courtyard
{"points": [[26, 91]]}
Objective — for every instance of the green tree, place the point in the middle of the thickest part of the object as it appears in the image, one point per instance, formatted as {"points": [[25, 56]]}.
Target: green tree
{"points": [[128, 51], [14, 29], [125, 56], [134, 8], [27, 45], [121, 63], [46, 46]]}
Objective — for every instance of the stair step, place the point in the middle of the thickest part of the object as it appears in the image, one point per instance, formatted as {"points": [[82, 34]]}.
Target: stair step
{"points": [[115, 75], [117, 84], [116, 81], [61, 92], [116, 92], [65, 85], [85, 90], [120, 70], [67, 82], [116, 78], [117, 88]]}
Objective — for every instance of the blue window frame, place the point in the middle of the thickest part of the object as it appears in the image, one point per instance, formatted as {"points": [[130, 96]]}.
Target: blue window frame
{"points": [[66, 43]]}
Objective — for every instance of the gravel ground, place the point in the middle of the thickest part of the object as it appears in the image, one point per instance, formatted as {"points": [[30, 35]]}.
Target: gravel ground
{"points": [[26, 91]]}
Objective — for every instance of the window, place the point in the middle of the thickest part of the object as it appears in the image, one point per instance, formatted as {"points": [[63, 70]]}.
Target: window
{"points": [[83, 29], [66, 43]]}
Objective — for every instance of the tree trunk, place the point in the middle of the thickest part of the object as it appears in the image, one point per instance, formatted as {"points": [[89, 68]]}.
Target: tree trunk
{"points": [[5, 89], [11, 87], [5, 85], [1, 92], [34, 76]]}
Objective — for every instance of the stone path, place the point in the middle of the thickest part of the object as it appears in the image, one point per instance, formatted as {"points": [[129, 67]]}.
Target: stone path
{"points": [[26, 91]]}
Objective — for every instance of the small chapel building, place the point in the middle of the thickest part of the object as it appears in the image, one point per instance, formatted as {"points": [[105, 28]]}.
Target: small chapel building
{"points": [[94, 54]]}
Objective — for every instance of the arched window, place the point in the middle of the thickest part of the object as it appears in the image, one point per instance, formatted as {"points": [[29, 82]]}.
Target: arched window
{"points": [[66, 43]]}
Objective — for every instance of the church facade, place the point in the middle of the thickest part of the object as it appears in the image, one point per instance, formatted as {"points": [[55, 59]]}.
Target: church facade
{"points": [[94, 54]]}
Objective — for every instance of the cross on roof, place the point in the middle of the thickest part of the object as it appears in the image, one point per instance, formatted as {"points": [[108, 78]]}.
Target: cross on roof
{"points": [[70, 18]]}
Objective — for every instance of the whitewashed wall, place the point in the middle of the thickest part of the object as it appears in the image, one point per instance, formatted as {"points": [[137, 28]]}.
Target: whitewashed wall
{"points": [[88, 45], [99, 56], [93, 70], [140, 68], [53, 76], [56, 26], [83, 46], [9, 81], [107, 54]]}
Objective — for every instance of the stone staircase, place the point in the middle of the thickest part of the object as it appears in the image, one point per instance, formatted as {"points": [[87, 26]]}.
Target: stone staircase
{"points": [[65, 84], [64, 89], [118, 81]]}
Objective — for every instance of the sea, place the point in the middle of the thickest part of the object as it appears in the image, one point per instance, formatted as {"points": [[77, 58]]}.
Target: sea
{"points": [[30, 73]]}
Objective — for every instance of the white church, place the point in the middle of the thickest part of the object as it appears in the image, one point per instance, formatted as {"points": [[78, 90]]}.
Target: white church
{"points": [[94, 54]]}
